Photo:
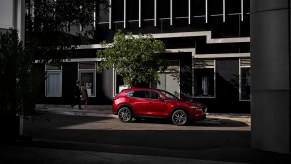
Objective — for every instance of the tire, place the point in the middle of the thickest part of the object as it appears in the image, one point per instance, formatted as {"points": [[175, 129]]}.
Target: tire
{"points": [[179, 117], [125, 114]]}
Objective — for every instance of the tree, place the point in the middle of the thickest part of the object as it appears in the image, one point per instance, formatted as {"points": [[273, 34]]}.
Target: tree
{"points": [[18, 82], [136, 58], [59, 26]]}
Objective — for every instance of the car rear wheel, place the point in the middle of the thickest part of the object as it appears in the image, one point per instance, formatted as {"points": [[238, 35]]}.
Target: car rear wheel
{"points": [[125, 114], [179, 117]]}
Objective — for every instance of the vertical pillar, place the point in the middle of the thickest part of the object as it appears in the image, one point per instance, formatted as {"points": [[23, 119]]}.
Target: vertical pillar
{"points": [[270, 66]]}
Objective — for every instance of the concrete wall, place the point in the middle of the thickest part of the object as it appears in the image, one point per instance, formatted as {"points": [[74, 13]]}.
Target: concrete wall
{"points": [[270, 56], [12, 15], [6, 14]]}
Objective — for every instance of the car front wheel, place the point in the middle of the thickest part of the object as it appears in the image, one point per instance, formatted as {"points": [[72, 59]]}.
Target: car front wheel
{"points": [[179, 117], [125, 114]]}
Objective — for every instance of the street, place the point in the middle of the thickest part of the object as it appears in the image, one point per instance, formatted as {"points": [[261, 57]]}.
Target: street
{"points": [[64, 135], [108, 133]]}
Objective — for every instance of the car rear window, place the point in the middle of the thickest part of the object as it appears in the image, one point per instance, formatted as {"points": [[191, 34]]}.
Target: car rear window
{"points": [[136, 93]]}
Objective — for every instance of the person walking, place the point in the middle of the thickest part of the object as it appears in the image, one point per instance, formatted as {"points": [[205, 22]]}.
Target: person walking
{"points": [[77, 95], [84, 92]]}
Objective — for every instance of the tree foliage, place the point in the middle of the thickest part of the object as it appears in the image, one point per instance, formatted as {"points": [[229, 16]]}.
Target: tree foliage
{"points": [[136, 58], [18, 81], [58, 26]]}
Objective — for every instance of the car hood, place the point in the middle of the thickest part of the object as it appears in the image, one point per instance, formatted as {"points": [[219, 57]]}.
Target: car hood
{"points": [[190, 103]]}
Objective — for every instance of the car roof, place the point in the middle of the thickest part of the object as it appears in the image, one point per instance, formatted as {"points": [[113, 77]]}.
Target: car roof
{"points": [[135, 88]]}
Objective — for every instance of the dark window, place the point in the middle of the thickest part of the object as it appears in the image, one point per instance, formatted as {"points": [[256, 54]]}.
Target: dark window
{"points": [[246, 6], [232, 6], [132, 9], [204, 74], [198, 7], [117, 10], [180, 8], [139, 94], [245, 83], [204, 82], [163, 8], [147, 9], [154, 95], [215, 7]]}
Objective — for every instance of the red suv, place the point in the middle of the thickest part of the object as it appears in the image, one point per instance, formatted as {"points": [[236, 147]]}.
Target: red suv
{"points": [[146, 102]]}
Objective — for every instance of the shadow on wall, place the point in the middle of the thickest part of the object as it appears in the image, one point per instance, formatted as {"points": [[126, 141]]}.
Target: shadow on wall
{"points": [[227, 97]]}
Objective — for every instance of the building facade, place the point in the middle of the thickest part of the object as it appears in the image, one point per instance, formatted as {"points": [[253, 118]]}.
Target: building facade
{"points": [[207, 46]]}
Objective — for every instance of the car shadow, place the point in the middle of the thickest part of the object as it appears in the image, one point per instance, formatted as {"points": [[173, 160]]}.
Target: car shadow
{"points": [[208, 122]]}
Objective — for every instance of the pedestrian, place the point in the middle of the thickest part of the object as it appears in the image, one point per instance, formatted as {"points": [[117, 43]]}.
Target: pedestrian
{"points": [[84, 92], [77, 95]]}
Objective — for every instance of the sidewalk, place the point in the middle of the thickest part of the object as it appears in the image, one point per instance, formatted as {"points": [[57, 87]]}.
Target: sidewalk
{"points": [[105, 111]]}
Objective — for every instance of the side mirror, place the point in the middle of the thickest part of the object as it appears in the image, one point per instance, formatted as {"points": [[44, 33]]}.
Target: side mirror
{"points": [[162, 99]]}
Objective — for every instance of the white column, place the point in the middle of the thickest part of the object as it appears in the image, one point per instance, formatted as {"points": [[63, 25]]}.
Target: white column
{"points": [[206, 11], [139, 13], [171, 12], [110, 14], [242, 10], [155, 13], [124, 14], [189, 11], [223, 8]]}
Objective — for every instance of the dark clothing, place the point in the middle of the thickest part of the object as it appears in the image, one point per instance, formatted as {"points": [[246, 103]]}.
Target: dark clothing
{"points": [[77, 97]]}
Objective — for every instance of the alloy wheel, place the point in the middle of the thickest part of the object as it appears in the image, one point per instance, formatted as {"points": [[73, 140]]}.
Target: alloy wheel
{"points": [[179, 117], [124, 114]]}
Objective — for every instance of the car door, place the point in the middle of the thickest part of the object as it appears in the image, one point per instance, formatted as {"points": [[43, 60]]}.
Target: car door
{"points": [[138, 102], [156, 106]]}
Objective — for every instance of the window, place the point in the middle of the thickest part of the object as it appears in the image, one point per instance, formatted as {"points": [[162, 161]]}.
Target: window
{"points": [[154, 95], [53, 83], [245, 80], [139, 94], [87, 76], [129, 94], [204, 78], [170, 78]]}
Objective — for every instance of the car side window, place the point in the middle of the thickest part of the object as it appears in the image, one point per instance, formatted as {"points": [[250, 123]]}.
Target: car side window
{"points": [[139, 94], [129, 94], [154, 95]]}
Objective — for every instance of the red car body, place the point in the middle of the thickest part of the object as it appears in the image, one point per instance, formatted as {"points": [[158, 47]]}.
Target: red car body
{"points": [[148, 102]]}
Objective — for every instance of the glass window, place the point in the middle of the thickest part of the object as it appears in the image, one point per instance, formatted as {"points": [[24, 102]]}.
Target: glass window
{"points": [[147, 9], [204, 78], [139, 94], [87, 76], [180, 8], [215, 7], [129, 94], [132, 9], [117, 10], [53, 83], [170, 78], [163, 9], [198, 8], [154, 95], [245, 79], [232, 6]]}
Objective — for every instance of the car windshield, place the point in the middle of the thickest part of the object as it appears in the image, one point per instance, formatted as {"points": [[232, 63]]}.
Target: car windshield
{"points": [[170, 95]]}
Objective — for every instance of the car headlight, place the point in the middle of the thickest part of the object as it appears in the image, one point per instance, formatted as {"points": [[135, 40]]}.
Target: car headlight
{"points": [[195, 107], [203, 110]]}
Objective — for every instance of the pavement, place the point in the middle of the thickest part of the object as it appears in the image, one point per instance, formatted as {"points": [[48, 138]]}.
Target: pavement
{"points": [[53, 151]]}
